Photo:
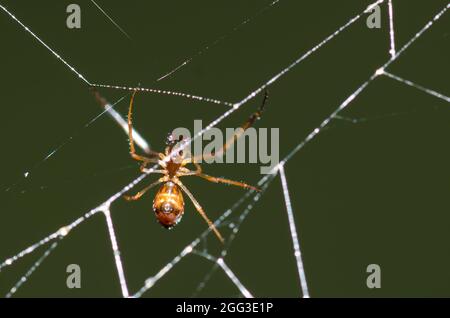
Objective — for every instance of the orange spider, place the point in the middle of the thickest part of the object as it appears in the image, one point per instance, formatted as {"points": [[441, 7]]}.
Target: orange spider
{"points": [[168, 203]]}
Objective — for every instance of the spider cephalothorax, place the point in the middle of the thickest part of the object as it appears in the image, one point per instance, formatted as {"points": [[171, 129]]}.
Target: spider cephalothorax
{"points": [[168, 204]]}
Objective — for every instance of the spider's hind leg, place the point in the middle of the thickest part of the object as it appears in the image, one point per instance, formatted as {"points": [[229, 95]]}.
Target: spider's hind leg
{"points": [[200, 210], [138, 195]]}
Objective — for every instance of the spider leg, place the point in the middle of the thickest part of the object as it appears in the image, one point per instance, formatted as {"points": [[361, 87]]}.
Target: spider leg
{"points": [[143, 166], [133, 153], [138, 195], [222, 180], [250, 121], [197, 165], [200, 209], [182, 171]]}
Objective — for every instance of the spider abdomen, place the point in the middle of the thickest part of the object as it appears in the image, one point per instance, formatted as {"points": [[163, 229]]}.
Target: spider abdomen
{"points": [[168, 204]]}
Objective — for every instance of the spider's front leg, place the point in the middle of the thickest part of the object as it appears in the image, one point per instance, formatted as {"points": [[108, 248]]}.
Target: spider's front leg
{"points": [[185, 171], [230, 142], [154, 155]]}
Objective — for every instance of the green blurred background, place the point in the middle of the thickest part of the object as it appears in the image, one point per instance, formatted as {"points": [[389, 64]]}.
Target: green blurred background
{"points": [[372, 192]]}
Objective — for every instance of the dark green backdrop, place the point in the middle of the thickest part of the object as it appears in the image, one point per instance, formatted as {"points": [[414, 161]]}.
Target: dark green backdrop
{"points": [[372, 192]]}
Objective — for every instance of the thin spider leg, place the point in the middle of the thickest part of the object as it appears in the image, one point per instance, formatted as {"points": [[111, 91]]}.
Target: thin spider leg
{"points": [[133, 153], [223, 180], [138, 195], [184, 171], [250, 121], [200, 209], [199, 168], [143, 166]]}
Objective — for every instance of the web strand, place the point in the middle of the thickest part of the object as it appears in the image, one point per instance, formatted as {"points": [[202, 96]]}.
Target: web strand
{"points": [[352, 96], [221, 263], [151, 281], [294, 234], [235, 227], [277, 76], [59, 57], [216, 42], [110, 109], [83, 78], [116, 252], [234, 106], [32, 269], [417, 86], [391, 29], [206, 99], [111, 19], [260, 89], [66, 229], [60, 233], [349, 99], [165, 92]]}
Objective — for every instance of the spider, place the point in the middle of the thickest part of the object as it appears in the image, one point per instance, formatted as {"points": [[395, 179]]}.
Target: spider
{"points": [[168, 203]]}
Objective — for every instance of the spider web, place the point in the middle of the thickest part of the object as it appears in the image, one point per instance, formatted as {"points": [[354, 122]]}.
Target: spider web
{"points": [[232, 218]]}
